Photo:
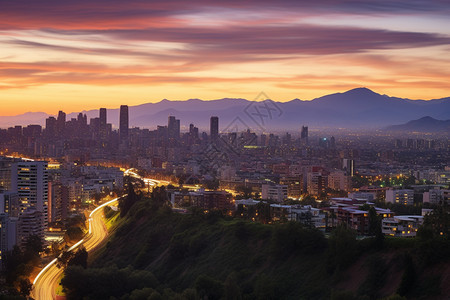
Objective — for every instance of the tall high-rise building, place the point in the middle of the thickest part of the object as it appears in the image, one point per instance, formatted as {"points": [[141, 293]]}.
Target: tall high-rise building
{"points": [[173, 127], [124, 125], [60, 123], [348, 165], [304, 135], [30, 180], [214, 128], [103, 127], [50, 127], [102, 116]]}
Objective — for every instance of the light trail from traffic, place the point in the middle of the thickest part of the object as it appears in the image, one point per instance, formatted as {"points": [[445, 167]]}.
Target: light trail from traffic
{"points": [[45, 283]]}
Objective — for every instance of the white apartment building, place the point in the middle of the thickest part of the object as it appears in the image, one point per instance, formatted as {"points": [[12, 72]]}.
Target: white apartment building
{"points": [[401, 226], [276, 192], [30, 180]]}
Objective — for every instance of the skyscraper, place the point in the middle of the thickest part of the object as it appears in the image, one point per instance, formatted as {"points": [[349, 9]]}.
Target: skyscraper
{"points": [[30, 180], [102, 116], [348, 165], [173, 127], [60, 123], [50, 127], [123, 128], [214, 128], [304, 135], [102, 126]]}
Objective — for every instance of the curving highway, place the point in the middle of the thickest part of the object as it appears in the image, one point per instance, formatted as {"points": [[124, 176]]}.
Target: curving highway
{"points": [[46, 282]]}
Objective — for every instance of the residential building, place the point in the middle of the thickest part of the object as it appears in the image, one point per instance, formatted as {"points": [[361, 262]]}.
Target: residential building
{"points": [[401, 226], [436, 196], [275, 192], [30, 180], [405, 196], [31, 222]]}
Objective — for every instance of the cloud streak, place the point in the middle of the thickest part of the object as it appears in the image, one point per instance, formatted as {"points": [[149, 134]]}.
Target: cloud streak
{"points": [[200, 45]]}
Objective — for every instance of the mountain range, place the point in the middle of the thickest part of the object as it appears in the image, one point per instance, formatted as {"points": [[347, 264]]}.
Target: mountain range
{"points": [[359, 108]]}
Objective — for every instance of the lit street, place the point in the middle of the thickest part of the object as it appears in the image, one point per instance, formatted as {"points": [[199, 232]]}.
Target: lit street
{"points": [[46, 282]]}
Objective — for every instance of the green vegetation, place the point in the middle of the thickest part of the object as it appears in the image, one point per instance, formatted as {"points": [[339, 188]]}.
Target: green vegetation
{"points": [[17, 267], [155, 253]]}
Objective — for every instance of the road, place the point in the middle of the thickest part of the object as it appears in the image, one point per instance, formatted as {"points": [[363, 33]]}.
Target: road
{"points": [[46, 282]]}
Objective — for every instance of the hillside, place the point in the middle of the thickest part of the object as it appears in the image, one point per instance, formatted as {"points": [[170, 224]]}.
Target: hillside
{"points": [[425, 124], [158, 254]]}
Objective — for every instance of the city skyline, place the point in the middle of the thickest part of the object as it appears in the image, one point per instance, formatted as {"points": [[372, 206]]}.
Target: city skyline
{"points": [[92, 54], [224, 149]]}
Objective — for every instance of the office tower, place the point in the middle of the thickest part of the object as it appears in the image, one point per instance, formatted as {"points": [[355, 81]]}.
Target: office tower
{"points": [[30, 180], [214, 128], [60, 123], [332, 142], [193, 134], [124, 125], [304, 135], [32, 131], [50, 127], [82, 119], [177, 128], [103, 127], [348, 165], [173, 127], [102, 116]]}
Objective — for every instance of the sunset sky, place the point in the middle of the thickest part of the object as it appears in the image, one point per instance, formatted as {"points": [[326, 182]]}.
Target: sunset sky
{"points": [[76, 55]]}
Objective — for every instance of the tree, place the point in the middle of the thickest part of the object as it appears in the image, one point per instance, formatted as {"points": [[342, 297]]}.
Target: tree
{"points": [[245, 191], [438, 221], [263, 210], [79, 258], [375, 226], [159, 196], [63, 259], [309, 200], [125, 203], [25, 287], [33, 247]]}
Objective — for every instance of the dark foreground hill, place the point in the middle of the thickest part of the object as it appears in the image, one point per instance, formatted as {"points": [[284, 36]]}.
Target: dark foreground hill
{"points": [[158, 254]]}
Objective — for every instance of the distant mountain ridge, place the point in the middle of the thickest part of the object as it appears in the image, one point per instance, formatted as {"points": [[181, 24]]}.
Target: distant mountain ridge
{"points": [[356, 108], [425, 124]]}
